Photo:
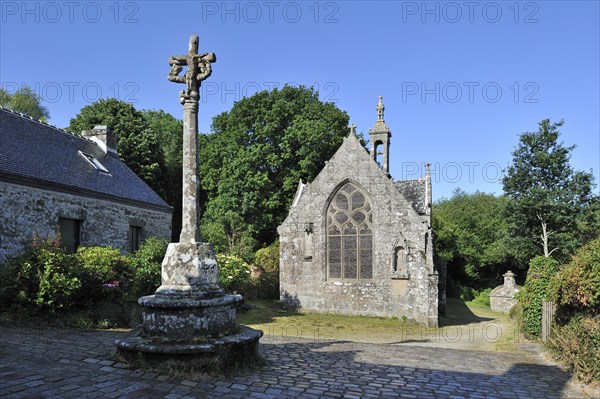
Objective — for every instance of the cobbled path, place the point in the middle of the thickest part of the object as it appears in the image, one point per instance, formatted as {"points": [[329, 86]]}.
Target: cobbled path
{"points": [[45, 363]]}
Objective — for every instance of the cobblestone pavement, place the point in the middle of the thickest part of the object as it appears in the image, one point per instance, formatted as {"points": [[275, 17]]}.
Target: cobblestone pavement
{"points": [[38, 363]]}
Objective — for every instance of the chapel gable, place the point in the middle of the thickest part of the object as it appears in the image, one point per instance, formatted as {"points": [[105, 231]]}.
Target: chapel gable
{"points": [[357, 242]]}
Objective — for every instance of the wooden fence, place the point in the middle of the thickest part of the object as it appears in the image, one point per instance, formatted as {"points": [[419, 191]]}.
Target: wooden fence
{"points": [[548, 311]]}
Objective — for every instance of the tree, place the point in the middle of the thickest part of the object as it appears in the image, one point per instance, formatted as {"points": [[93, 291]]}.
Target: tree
{"points": [[471, 236], [25, 101], [138, 145], [251, 163], [169, 131], [548, 198]]}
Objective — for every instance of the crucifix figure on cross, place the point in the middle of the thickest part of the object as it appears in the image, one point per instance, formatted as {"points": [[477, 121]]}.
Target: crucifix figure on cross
{"points": [[199, 69]]}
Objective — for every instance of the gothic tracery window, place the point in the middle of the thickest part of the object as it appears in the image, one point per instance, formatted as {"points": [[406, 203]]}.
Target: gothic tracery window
{"points": [[349, 235]]}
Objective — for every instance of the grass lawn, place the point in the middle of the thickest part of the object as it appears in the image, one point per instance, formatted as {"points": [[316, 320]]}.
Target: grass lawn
{"points": [[465, 326]]}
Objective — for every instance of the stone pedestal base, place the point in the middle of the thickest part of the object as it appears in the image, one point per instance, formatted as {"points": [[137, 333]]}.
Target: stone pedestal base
{"points": [[174, 319], [200, 355], [190, 324]]}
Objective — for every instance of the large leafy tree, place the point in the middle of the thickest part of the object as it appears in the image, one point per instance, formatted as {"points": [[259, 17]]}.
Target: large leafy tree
{"points": [[169, 131], [26, 101], [138, 145], [251, 163], [549, 200], [471, 237]]}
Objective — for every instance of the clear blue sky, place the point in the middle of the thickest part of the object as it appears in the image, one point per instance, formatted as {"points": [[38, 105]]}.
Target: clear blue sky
{"points": [[460, 80]]}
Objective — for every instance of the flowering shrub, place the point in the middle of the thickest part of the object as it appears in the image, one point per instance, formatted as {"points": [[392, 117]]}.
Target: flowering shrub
{"points": [[234, 273], [104, 273], [44, 277]]}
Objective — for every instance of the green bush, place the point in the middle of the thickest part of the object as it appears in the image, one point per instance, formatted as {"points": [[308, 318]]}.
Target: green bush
{"points": [[57, 285], [104, 273], [575, 338], [577, 346], [268, 258], [40, 279], [234, 274], [267, 275], [146, 262], [483, 297], [215, 234], [97, 281], [534, 293], [577, 287]]}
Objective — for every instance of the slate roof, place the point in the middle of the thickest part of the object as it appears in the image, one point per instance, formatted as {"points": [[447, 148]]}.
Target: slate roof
{"points": [[35, 152], [414, 192]]}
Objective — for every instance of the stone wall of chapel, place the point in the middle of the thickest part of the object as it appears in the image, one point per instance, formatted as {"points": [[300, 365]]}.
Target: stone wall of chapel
{"points": [[303, 264]]}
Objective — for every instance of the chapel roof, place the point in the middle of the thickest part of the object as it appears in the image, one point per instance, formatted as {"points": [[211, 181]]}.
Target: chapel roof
{"points": [[34, 152], [415, 192]]}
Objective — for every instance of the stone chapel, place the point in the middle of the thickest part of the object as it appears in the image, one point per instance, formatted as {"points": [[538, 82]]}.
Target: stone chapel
{"points": [[357, 242]]}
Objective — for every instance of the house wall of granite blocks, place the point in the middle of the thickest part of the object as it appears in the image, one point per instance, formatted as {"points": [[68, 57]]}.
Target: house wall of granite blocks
{"points": [[52, 181]]}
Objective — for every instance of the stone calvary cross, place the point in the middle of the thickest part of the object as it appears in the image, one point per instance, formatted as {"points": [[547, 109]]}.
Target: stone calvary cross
{"points": [[190, 323], [190, 268], [199, 69]]}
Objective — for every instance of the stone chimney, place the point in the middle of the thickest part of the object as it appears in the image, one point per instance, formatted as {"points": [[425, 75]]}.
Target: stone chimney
{"points": [[104, 137]]}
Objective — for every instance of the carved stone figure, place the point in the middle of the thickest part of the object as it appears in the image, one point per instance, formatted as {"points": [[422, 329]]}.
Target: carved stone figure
{"points": [[199, 69]]}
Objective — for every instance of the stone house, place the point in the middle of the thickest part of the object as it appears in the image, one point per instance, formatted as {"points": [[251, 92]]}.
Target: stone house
{"points": [[357, 242], [52, 181]]}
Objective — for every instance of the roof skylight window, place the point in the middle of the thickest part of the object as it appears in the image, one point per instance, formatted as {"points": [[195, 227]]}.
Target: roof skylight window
{"points": [[95, 163]]}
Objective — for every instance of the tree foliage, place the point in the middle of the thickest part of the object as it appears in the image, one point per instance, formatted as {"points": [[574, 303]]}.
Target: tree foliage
{"points": [[138, 145], [549, 199], [258, 151], [169, 131], [471, 237], [26, 101]]}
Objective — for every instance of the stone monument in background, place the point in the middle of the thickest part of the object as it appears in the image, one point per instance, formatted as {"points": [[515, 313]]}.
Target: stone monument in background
{"points": [[190, 322], [502, 298]]}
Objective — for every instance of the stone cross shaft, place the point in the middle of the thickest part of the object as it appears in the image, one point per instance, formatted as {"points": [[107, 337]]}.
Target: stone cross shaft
{"points": [[198, 69]]}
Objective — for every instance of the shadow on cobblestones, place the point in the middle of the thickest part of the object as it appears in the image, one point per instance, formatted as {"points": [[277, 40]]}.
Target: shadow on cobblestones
{"points": [[38, 363]]}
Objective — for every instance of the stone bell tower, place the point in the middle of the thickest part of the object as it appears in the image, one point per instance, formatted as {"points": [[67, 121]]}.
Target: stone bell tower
{"points": [[380, 138]]}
